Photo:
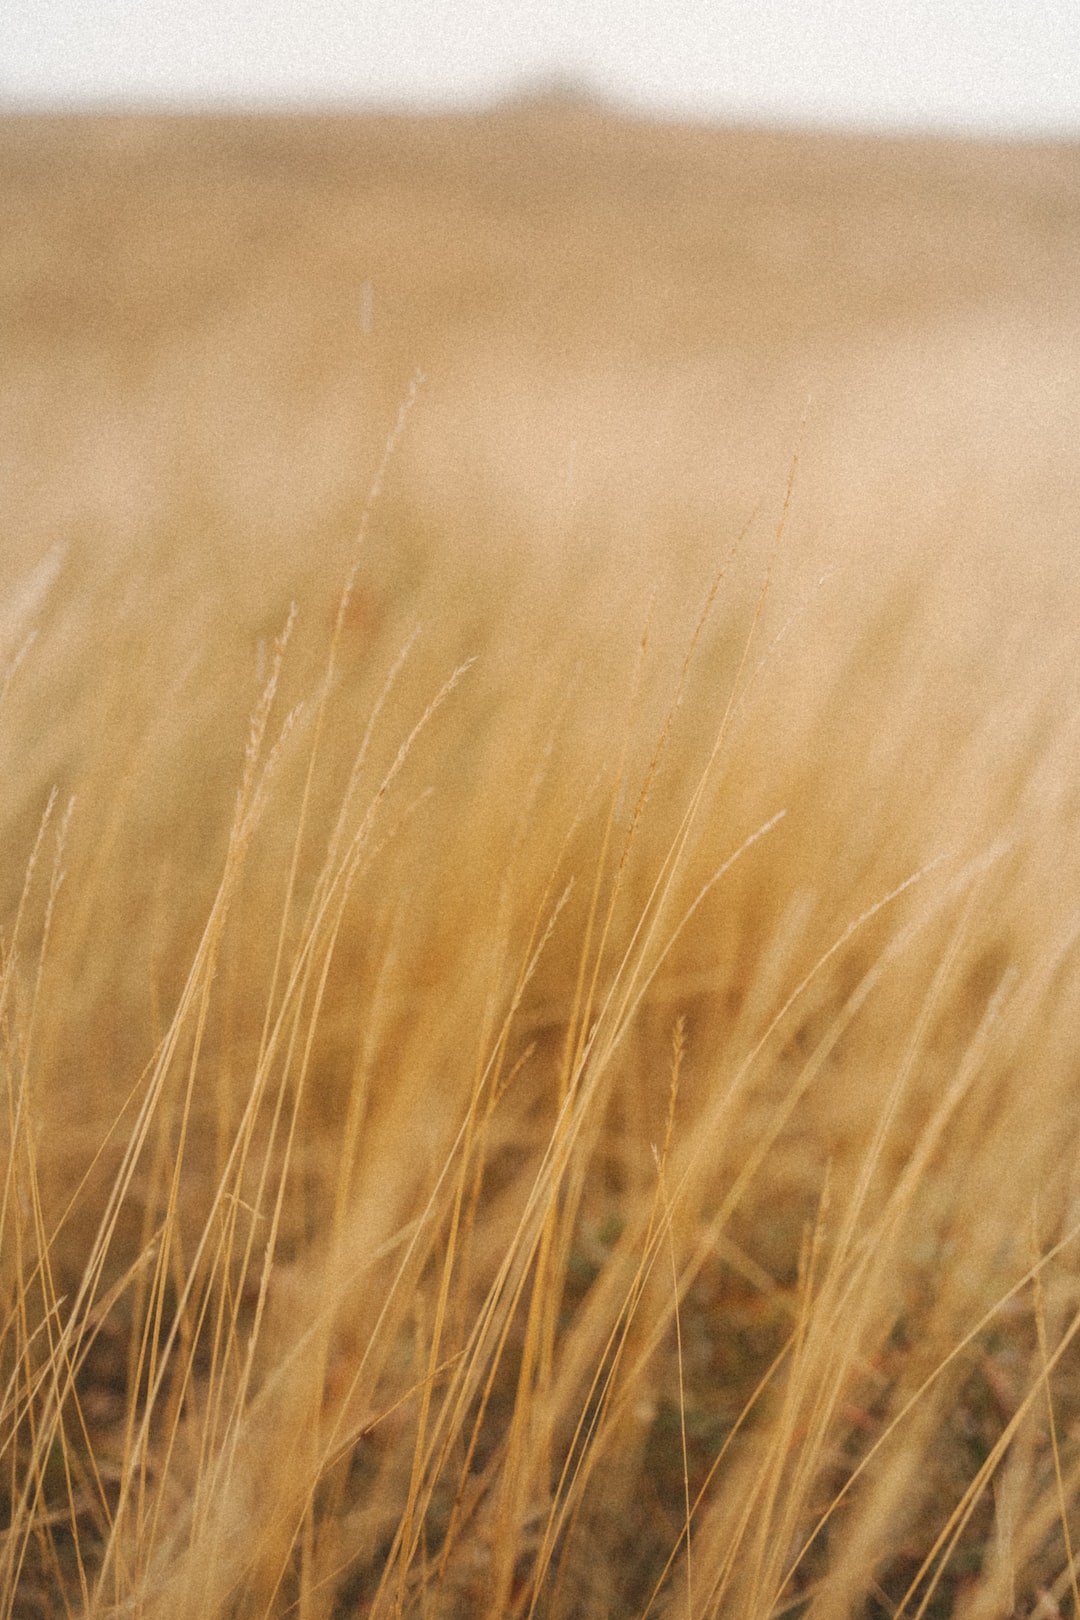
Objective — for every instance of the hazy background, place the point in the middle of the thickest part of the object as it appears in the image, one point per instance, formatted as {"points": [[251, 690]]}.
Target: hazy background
{"points": [[930, 64]]}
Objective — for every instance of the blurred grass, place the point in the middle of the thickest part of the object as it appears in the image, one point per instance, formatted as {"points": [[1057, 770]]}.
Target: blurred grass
{"points": [[601, 1039]]}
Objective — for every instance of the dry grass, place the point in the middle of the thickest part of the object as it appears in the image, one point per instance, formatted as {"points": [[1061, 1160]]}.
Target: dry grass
{"points": [[542, 1080]]}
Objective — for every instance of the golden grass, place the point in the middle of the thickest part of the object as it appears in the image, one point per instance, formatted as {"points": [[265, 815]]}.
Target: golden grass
{"points": [[538, 998]]}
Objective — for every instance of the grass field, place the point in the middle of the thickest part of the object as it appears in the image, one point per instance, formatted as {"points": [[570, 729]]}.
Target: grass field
{"points": [[540, 911]]}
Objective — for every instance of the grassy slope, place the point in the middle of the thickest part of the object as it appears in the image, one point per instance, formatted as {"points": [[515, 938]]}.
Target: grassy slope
{"points": [[583, 1035]]}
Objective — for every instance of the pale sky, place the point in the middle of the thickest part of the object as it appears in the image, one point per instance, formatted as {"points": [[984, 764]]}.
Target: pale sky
{"points": [[978, 65]]}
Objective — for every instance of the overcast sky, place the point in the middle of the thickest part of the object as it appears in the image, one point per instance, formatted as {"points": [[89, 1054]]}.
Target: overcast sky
{"points": [[980, 65]]}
